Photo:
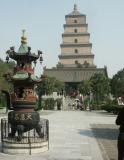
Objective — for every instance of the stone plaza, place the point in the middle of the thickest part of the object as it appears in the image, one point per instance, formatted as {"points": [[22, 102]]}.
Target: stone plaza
{"points": [[76, 135]]}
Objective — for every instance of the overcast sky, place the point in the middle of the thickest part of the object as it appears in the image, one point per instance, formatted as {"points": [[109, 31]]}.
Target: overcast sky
{"points": [[44, 19]]}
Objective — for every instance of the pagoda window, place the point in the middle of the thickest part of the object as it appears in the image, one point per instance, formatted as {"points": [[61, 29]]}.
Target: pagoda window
{"points": [[75, 21], [20, 92], [75, 40], [22, 64], [75, 30], [76, 61], [76, 50], [86, 64]]}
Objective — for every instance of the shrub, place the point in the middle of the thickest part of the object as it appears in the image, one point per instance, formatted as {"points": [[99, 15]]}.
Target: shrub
{"points": [[2, 101], [111, 108], [49, 104]]}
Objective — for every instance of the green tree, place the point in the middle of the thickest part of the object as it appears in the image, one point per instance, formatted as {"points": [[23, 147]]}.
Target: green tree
{"points": [[4, 85], [84, 87], [48, 86], [117, 83], [5, 68], [99, 87], [59, 86]]}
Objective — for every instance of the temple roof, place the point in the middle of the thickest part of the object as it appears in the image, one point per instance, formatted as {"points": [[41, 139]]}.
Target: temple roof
{"points": [[23, 49], [74, 74], [20, 56], [21, 75]]}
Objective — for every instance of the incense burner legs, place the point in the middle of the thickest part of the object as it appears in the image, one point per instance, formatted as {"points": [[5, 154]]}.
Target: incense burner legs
{"points": [[24, 121]]}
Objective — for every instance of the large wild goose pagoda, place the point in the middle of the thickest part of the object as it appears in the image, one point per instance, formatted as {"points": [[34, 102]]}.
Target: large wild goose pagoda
{"points": [[76, 61]]}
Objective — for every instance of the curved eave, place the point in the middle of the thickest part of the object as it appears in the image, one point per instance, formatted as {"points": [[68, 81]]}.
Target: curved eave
{"points": [[75, 45], [75, 34], [75, 56], [26, 80], [75, 25], [75, 15], [25, 77], [27, 56]]}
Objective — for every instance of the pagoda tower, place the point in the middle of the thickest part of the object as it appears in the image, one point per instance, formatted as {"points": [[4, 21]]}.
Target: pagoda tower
{"points": [[76, 60], [76, 48]]}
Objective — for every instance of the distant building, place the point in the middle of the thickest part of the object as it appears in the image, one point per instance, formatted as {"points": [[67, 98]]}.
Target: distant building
{"points": [[76, 61]]}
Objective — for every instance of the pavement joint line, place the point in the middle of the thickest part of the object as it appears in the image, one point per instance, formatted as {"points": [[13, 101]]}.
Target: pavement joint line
{"points": [[103, 151]]}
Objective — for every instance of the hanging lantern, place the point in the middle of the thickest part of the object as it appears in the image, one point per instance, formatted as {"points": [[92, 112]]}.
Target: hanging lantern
{"points": [[7, 58], [29, 50], [41, 59], [12, 48], [39, 52]]}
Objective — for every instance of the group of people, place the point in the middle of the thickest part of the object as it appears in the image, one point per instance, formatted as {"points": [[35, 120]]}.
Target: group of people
{"points": [[78, 105]]}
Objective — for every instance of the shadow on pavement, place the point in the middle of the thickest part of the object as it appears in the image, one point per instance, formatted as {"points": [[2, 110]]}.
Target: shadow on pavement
{"points": [[104, 131], [106, 136]]}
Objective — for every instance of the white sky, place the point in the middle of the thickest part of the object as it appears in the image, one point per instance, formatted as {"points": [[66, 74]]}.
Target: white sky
{"points": [[43, 21]]}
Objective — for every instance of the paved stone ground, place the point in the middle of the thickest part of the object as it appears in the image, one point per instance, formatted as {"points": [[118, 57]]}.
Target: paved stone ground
{"points": [[106, 135], [77, 135]]}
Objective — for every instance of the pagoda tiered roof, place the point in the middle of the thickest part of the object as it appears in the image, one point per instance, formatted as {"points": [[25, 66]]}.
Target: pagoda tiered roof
{"points": [[24, 76], [21, 56], [23, 71], [24, 51]]}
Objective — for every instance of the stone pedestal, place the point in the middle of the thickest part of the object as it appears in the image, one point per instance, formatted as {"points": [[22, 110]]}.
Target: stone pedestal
{"points": [[24, 148], [30, 142]]}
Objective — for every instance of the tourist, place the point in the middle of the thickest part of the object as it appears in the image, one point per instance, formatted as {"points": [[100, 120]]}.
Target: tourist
{"points": [[120, 121], [90, 107]]}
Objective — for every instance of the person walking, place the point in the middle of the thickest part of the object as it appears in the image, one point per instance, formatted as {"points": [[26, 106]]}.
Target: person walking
{"points": [[120, 121]]}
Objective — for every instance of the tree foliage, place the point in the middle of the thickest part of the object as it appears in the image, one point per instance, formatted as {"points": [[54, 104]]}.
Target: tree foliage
{"points": [[4, 85], [50, 85], [117, 83], [99, 87], [5, 68], [47, 86], [84, 87]]}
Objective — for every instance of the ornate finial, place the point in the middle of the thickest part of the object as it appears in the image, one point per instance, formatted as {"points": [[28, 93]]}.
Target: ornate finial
{"points": [[75, 7], [23, 38], [23, 32]]}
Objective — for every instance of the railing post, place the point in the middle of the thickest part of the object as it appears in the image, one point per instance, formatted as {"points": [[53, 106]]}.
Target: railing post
{"points": [[47, 131], [29, 142], [2, 134]]}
